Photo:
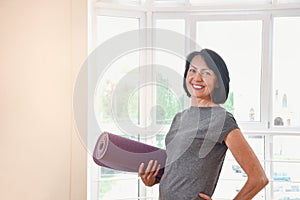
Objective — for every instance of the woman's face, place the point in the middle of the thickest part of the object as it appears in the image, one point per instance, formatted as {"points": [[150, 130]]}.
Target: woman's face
{"points": [[200, 80]]}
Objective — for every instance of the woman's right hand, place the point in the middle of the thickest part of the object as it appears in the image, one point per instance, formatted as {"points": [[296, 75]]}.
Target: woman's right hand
{"points": [[148, 175]]}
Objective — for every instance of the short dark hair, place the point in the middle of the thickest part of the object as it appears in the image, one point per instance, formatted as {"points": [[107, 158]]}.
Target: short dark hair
{"points": [[216, 63]]}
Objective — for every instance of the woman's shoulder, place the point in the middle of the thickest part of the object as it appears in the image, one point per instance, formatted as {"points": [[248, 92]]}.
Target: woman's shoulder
{"points": [[229, 115], [221, 114]]}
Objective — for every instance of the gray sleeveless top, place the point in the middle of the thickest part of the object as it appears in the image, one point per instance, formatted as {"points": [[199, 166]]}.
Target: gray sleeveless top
{"points": [[195, 152]]}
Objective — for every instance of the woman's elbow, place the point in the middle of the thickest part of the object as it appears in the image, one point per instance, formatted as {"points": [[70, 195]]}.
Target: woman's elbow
{"points": [[262, 181], [259, 181], [265, 181]]}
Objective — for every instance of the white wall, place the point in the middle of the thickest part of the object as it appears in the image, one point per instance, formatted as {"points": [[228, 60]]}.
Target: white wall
{"points": [[41, 49]]}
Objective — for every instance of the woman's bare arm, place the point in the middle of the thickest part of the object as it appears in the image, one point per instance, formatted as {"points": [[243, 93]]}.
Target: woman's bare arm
{"points": [[248, 161]]}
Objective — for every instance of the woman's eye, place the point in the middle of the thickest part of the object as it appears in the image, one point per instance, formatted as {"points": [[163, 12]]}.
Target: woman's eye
{"points": [[192, 70], [206, 73]]}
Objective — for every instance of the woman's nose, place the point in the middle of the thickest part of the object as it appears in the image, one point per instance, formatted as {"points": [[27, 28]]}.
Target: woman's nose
{"points": [[198, 76]]}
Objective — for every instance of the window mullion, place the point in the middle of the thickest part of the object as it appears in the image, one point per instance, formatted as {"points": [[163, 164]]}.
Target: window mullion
{"points": [[266, 98], [268, 164], [266, 75]]}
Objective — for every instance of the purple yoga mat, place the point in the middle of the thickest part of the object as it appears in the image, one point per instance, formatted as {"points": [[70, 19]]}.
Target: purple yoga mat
{"points": [[119, 153]]}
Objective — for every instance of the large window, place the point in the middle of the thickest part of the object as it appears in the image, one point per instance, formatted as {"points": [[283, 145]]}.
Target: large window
{"points": [[259, 41]]}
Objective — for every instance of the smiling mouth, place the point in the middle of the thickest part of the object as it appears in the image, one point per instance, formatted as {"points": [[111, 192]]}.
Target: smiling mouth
{"points": [[197, 86]]}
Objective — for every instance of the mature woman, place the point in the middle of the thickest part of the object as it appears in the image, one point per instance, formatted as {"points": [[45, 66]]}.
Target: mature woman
{"points": [[199, 137]]}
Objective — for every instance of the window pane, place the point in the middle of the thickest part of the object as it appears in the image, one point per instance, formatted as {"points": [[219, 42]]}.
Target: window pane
{"points": [[286, 181], [108, 27], [127, 99], [239, 43], [167, 101], [177, 25], [284, 148], [286, 190], [286, 61], [286, 174], [118, 187]]}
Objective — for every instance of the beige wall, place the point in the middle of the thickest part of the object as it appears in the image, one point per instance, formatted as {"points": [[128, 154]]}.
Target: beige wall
{"points": [[41, 49]]}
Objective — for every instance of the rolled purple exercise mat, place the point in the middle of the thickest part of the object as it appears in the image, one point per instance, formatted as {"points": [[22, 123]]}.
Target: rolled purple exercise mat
{"points": [[119, 153]]}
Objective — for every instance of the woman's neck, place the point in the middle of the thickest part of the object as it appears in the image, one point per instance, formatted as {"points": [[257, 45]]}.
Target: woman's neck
{"points": [[203, 103]]}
